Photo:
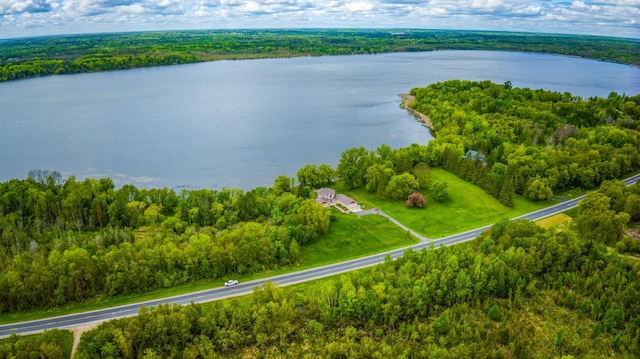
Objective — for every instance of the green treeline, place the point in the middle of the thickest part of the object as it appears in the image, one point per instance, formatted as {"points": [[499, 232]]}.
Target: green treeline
{"points": [[67, 241], [529, 142], [517, 291], [30, 57]]}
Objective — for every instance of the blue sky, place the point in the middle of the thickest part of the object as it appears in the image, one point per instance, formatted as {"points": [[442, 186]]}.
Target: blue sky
{"points": [[20, 18]]}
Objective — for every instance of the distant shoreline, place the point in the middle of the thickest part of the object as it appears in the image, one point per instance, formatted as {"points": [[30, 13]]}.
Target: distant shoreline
{"points": [[426, 121]]}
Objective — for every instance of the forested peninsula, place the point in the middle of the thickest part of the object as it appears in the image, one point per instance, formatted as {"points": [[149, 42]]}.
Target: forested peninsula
{"points": [[41, 56], [519, 290]]}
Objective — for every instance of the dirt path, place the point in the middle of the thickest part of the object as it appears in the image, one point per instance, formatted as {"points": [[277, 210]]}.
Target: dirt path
{"points": [[406, 100], [77, 333]]}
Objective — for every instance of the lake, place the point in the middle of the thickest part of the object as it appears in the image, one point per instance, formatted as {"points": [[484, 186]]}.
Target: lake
{"points": [[243, 123]]}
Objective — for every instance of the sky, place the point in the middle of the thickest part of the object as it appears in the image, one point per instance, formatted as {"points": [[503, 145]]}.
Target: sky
{"points": [[21, 18]]}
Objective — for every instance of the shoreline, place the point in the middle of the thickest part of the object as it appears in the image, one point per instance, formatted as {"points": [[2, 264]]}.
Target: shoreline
{"points": [[426, 121]]}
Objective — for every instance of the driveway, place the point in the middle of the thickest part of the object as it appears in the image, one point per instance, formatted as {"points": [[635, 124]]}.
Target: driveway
{"points": [[394, 221]]}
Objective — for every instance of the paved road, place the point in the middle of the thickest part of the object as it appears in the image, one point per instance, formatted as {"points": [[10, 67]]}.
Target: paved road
{"points": [[75, 320]]}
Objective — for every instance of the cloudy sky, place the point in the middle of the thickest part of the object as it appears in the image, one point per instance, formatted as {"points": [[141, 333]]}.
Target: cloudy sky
{"points": [[49, 17]]}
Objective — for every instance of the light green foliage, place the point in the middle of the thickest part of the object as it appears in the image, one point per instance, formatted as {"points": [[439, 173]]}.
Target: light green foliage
{"points": [[377, 178], [314, 216], [422, 172], [352, 167], [440, 191], [401, 186], [538, 190]]}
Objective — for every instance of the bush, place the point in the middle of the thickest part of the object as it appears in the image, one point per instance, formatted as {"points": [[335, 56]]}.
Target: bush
{"points": [[416, 200], [440, 191]]}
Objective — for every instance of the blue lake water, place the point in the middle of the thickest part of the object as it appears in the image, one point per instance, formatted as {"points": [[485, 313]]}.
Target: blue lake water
{"points": [[243, 123]]}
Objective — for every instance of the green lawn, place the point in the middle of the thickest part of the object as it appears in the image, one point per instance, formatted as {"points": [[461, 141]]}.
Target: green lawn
{"points": [[560, 219], [468, 207], [351, 236]]}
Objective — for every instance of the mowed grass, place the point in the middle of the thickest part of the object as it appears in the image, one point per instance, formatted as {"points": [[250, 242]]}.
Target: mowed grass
{"points": [[467, 208], [351, 236]]}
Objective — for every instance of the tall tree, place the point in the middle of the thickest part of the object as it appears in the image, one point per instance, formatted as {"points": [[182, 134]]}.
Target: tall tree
{"points": [[352, 166], [596, 220]]}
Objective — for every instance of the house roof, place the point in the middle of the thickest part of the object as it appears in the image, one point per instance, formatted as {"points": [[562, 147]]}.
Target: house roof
{"points": [[326, 192], [475, 155], [346, 200]]}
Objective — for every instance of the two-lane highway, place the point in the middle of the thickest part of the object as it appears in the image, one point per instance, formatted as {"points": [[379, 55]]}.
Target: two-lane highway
{"points": [[101, 315]]}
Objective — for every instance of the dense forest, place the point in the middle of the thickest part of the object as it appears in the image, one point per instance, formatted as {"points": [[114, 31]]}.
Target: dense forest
{"points": [[517, 291], [529, 142], [40, 56]]}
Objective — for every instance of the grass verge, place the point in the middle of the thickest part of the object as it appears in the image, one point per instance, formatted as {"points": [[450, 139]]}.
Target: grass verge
{"points": [[351, 236]]}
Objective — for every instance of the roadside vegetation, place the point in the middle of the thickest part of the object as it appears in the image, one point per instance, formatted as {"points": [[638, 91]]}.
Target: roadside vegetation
{"points": [[516, 291], [41, 56], [52, 344]]}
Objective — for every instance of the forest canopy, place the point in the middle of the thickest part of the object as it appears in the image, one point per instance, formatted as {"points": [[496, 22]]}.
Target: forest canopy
{"points": [[529, 142], [516, 291], [41, 56]]}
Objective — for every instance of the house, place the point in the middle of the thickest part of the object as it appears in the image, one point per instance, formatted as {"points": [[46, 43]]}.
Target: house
{"points": [[328, 197], [346, 201], [476, 156], [325, 196]]}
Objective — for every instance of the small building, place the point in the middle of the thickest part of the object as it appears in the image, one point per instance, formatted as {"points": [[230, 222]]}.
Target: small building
{"points": [[325, 196], [328, 197], [476, 156]]}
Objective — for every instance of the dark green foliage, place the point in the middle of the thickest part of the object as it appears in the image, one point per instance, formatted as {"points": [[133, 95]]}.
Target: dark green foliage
{"points": [[52, 344], [41, 56], [517, 291], [494, 313]]}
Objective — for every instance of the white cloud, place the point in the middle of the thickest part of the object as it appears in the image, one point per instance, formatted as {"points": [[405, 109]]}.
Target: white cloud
{"points": [[40, 17]]}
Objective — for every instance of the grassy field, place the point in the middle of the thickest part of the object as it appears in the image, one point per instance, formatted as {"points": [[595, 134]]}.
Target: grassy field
{"points": [[351, 236], [468, 207], [554, 221]]}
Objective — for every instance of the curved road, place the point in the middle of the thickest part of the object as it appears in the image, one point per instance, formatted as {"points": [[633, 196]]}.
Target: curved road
{"points": [[96, 316]]}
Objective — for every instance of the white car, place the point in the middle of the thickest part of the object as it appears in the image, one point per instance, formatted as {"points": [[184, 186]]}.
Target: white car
{"points": [[230, 283]]}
